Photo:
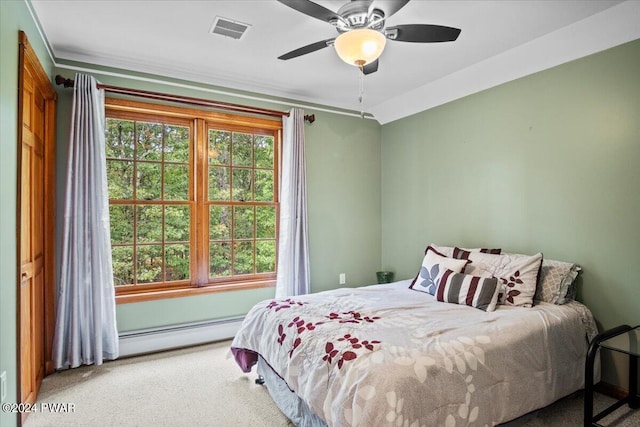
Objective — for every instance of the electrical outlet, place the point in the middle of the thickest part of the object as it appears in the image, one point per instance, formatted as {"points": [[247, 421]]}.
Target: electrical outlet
{"points": [[343, 278], [3, 386]]}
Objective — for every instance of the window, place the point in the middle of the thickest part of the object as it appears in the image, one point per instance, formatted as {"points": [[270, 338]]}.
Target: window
{"points": [[242, 208], [193, 199]]}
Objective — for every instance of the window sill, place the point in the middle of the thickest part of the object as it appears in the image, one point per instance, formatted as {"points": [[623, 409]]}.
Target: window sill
{"points": [[140, 296]]}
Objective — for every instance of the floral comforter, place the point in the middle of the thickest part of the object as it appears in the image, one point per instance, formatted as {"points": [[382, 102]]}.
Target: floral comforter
{"points": [[385, 355]]}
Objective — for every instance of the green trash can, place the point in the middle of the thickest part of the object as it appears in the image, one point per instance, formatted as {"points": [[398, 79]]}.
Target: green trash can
{"points": [[384, 276]]}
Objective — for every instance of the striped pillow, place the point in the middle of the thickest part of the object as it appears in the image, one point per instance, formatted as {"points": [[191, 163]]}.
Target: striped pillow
{"points": [[475, 291], [462, 253]]}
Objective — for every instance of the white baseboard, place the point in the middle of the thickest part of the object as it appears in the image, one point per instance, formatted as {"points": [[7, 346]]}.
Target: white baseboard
{"points": [[174, 336]]}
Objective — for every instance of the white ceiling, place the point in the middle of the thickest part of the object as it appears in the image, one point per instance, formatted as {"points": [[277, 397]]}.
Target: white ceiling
{"points": [[500, 40]]}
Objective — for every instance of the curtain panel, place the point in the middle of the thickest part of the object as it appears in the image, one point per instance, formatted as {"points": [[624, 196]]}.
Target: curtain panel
{"points": [[86, 331], [293, 277]]}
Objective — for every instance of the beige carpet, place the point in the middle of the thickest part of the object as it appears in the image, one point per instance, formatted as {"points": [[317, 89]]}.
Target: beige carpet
{"points": [[202, 386]]}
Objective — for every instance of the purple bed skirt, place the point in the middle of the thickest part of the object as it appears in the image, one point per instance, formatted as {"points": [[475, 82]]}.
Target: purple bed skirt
{"points": [[246, 359]]}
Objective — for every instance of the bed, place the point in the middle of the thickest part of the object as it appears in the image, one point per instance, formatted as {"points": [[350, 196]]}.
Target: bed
{"points": [[386, 355]]}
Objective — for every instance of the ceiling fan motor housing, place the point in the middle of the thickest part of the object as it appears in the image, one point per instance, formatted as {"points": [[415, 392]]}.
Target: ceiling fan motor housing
{"points": [[356, 14]]}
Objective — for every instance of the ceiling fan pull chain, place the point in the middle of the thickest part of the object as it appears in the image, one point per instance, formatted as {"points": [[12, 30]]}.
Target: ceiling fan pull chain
{"points": [[361, 95]]}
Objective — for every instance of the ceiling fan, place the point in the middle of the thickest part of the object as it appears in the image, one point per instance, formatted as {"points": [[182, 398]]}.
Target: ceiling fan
{"points": [[363, 33]]}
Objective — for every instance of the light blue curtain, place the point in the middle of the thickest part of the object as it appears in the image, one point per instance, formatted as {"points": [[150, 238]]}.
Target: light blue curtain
{"points": [[86, 331], [293, 277]]}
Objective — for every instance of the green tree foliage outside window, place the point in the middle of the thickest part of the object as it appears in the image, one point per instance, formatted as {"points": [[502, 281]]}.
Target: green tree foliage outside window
{"points": [[153, 206], [148, 182], [242, 210]]}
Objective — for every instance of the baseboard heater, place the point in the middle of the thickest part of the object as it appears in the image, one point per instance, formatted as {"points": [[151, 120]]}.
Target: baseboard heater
{"points": [[151, 340]]}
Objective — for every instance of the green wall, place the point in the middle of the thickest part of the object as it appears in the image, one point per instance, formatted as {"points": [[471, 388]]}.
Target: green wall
{"points": [[343, 174], [546, 163], [14, 16]]}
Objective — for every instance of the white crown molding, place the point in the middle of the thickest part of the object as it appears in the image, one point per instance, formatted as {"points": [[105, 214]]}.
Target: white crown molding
{"points": [[612, 27]]}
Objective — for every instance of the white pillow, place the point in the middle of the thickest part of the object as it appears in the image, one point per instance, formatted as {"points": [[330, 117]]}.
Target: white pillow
{"points": [[434, 264], [518, 275]]}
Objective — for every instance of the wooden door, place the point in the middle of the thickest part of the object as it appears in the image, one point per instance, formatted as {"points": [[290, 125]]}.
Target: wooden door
{"points": [[36, 138]]}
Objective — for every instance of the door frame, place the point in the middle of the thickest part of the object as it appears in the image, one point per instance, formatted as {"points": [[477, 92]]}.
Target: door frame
{"points": [[27, 59]]}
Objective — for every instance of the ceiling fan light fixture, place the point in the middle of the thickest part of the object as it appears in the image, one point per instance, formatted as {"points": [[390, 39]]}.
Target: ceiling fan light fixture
{"points": [[361, 46]]}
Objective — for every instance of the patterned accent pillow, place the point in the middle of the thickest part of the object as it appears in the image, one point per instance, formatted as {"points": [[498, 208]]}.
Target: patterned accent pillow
{"points": [[518, 275], [474, 291], [433, 267], [556, 278], [571, 289]]}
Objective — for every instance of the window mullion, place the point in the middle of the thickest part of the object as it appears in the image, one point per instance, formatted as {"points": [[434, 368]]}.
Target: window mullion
{"points": [[232, 219], [163, 247], [200, 223], [135, 207], [253, 199]]}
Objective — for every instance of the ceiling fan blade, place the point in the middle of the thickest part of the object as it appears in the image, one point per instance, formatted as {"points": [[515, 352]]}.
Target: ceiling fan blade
{"points": [[312, 9], [306, 49], [371, 67], [395, 6], [422, 33]]}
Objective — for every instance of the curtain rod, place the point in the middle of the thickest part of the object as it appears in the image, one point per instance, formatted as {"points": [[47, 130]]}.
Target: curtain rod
{"points": [[186, 100]]}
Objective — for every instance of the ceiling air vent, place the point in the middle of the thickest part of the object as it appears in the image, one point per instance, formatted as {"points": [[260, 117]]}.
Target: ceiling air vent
{"points": [[228, 28]]}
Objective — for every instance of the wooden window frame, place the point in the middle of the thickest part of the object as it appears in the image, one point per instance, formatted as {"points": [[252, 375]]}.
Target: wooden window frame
{"points": [[200, 122]]}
